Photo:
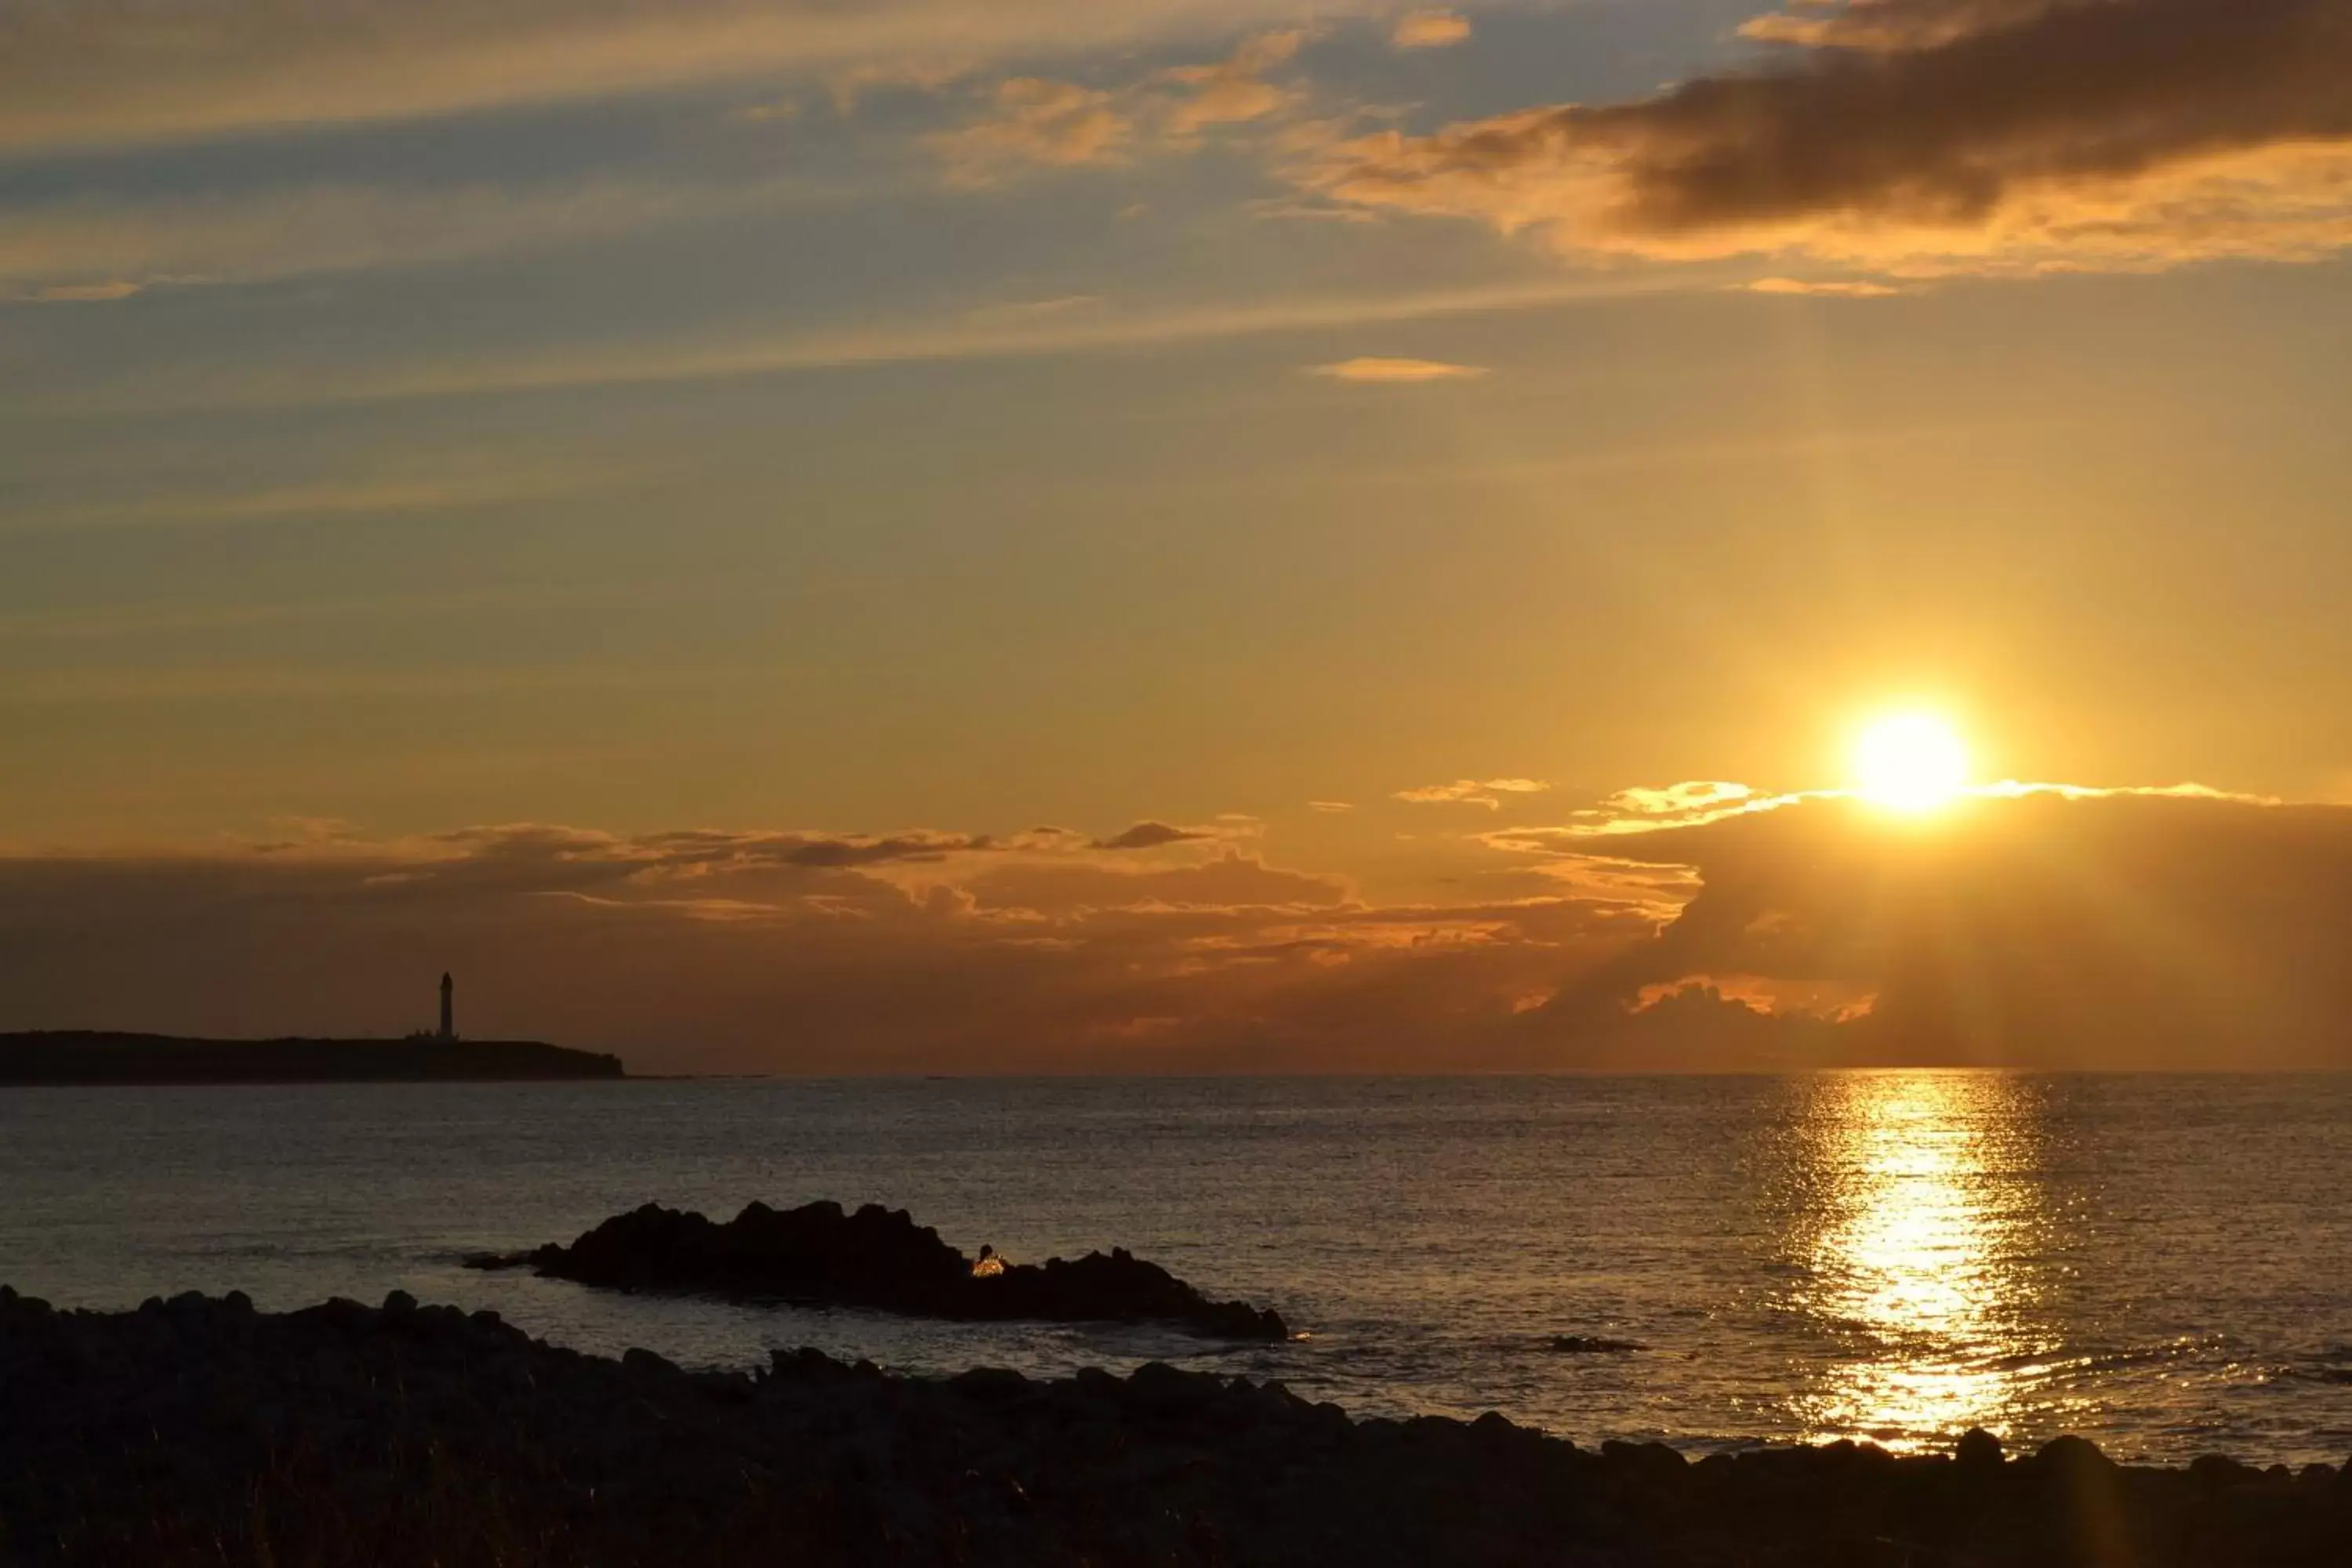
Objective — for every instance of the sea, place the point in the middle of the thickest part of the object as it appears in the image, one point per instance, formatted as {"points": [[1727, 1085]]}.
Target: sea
{"points": [[2163, 1265]]}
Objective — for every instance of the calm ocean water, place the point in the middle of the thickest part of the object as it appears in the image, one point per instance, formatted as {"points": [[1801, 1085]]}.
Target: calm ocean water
{"points": [[2164, 1265]]}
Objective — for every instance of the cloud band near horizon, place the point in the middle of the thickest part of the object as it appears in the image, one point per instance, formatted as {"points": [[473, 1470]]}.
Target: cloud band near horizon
{"points": [[2082, 929]]}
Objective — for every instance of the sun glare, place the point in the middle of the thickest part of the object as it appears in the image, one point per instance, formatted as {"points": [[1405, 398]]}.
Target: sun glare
{"points": [[1910, 763]]}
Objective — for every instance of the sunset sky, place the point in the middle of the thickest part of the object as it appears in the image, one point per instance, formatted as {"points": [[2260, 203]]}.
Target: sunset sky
{"points": [[1179, 535]]}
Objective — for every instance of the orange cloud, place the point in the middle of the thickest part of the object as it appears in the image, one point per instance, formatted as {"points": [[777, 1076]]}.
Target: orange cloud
{"points": [[1471, 792], [1380, 372], [1927, 137], [1831, 1000], [1032, 120], [1828, 289], [1431, 30], [117, 72], [918, 950], [2042, 928], [1058, 123], [2084, 929], [1695, 796], [1901, 24], [1234, 91], [89, 293]]}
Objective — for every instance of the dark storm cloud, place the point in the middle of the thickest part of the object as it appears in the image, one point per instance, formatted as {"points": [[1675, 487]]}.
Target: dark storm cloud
{"points": [[1929, 135]]}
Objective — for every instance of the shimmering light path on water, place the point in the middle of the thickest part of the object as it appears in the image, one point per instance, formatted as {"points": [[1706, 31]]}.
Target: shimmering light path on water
{"points": [[2162, 1264], [1921, 1232]]}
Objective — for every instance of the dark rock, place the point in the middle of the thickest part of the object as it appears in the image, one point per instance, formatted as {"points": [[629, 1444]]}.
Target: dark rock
{"points": [[988, 1383], [2073, 1456], [492, 1261], [1646, 1459], [1978, 1449], [881, 1260], [2217, 1472], [341, 1436]]}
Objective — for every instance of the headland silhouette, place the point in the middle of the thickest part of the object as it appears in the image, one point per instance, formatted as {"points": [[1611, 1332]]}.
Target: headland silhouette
{"points": [[102, 1057]]}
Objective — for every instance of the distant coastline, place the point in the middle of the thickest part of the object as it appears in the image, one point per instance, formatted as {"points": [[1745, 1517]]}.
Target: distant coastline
{"points": [[98, 1058]]}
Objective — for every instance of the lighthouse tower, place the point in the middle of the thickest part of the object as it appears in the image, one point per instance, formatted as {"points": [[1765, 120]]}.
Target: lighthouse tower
{"points": [[449, 1008]]}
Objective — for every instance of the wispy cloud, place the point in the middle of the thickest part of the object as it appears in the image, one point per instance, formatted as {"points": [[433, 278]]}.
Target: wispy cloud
{"points": [[1823, 289], [103, 291], [1876, 25], [1488, 793], [851, 85], [1234, 90], [113, 71], [94, 250], [472, 482], [1032, 122], [1431, 30], [146, 683], [961, 337], [1396, 372]]}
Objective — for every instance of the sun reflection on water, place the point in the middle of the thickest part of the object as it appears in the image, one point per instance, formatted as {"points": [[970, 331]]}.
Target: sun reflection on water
{"points": [[1918, 1229]]}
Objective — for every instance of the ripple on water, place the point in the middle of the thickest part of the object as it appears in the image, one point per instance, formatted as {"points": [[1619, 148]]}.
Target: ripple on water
{"points": [[2163, 1264]]}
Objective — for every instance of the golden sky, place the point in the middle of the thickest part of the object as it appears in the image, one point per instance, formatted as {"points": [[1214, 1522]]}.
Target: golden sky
{"points": [[1178, 535]]}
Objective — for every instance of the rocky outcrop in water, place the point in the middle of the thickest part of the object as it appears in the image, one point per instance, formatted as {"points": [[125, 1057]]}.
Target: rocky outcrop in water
{"points": [[880, 1260], [199, 1431]]}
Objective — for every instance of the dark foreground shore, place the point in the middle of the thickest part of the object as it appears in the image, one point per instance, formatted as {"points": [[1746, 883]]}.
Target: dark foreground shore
{"points": [[203, 1431]]}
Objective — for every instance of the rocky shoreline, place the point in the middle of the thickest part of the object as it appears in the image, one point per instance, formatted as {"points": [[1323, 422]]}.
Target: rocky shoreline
{"points": [[203, 1431], [880, 1260]]}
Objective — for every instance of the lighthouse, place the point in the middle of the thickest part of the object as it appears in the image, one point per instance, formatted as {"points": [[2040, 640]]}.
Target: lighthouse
{"points": [[449, 1008]]}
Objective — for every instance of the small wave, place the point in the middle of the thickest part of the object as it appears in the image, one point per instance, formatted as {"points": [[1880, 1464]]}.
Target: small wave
{"points": [[2093, 1363]]}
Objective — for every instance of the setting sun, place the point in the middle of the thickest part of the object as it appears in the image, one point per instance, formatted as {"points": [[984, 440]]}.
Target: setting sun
{"points": [[1910, 763]]}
